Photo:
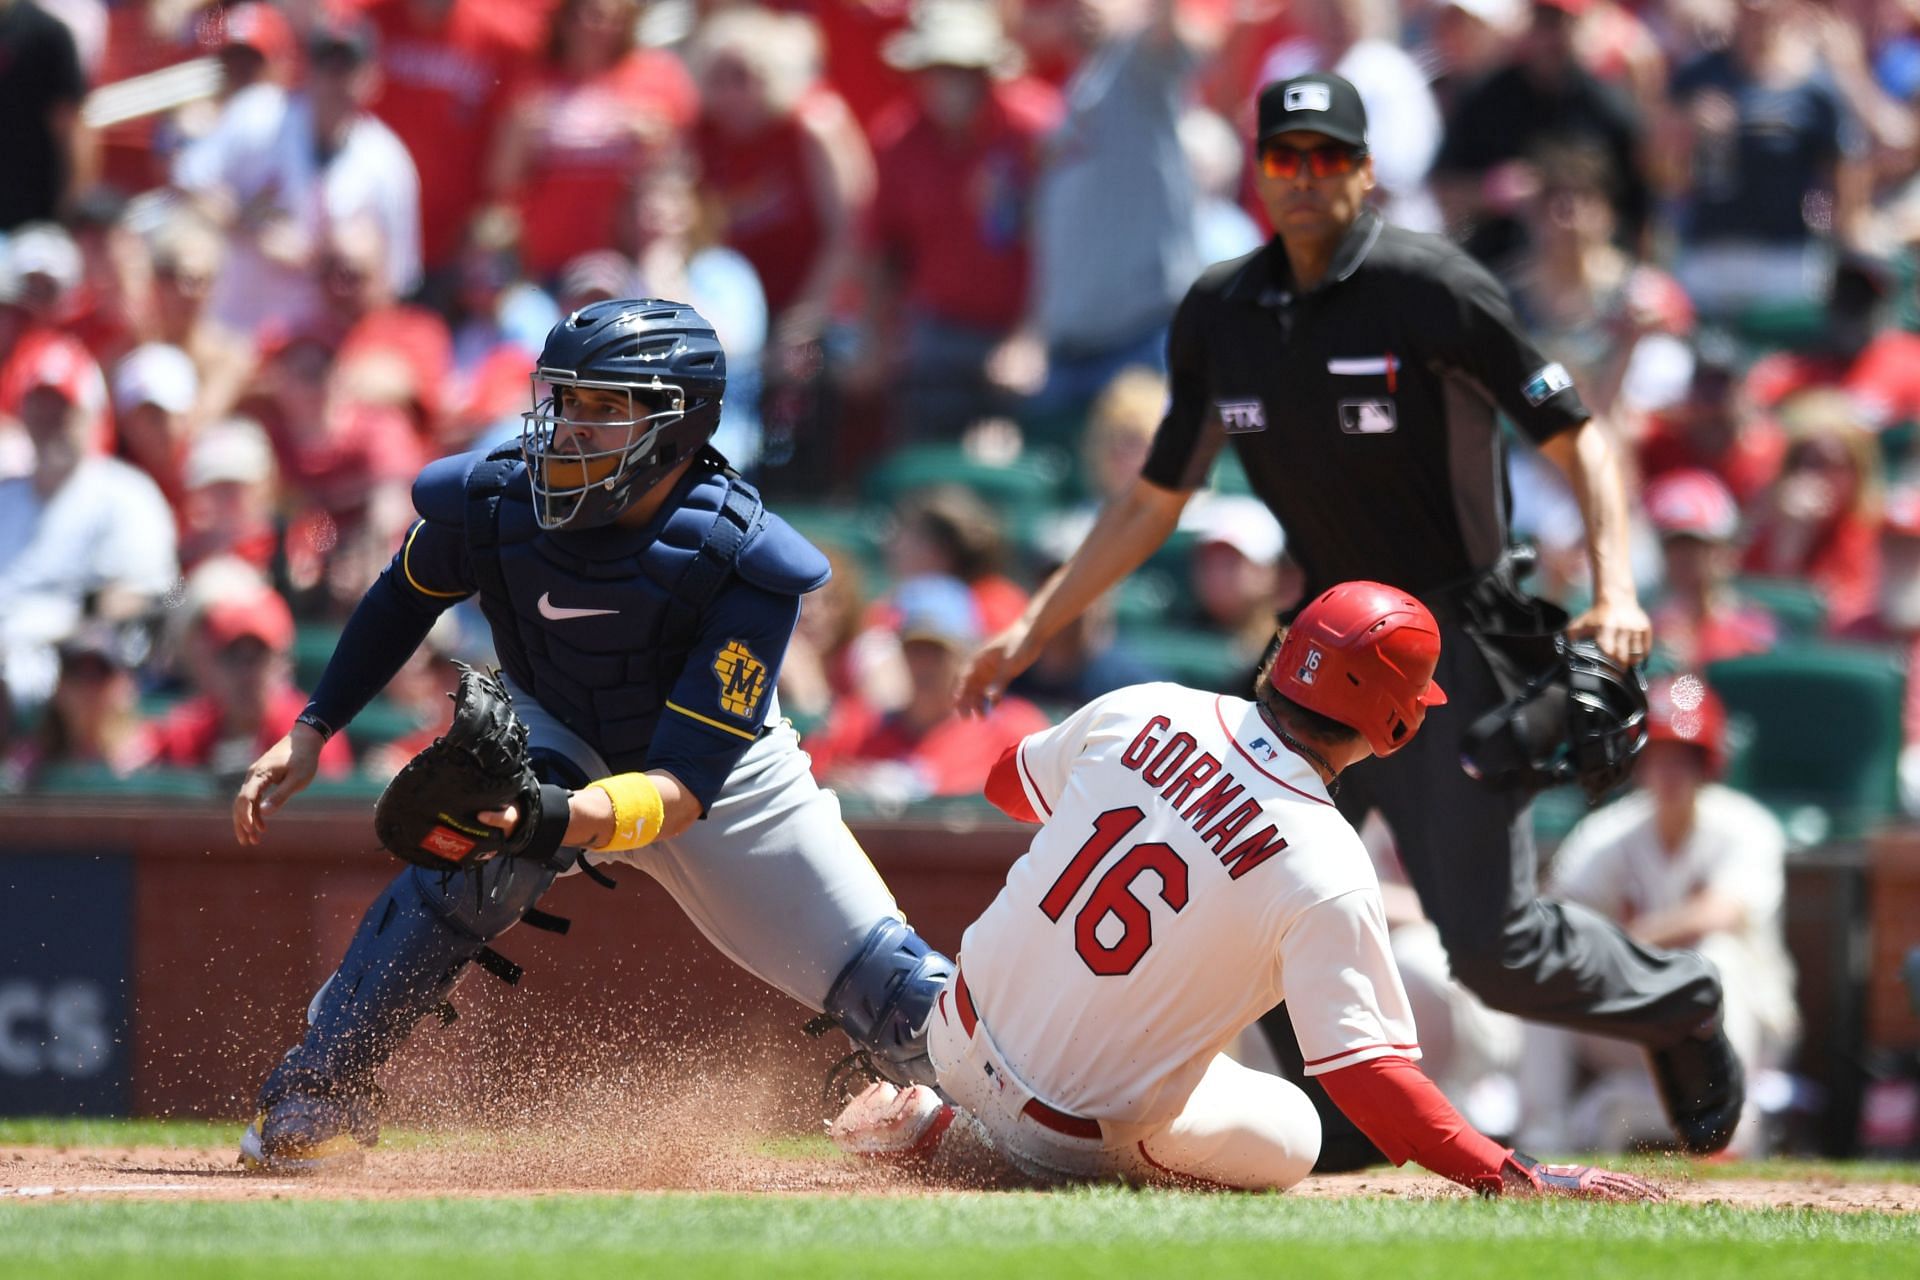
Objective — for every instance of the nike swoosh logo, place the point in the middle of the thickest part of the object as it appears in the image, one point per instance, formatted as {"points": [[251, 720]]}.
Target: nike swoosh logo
{"points": [[555, 613]]}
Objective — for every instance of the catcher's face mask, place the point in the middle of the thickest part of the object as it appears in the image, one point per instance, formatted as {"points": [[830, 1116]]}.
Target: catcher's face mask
{"points": [[590, 445]]}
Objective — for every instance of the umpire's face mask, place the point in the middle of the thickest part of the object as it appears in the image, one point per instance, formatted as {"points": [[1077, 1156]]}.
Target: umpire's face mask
{"points": [[1585, 722]]}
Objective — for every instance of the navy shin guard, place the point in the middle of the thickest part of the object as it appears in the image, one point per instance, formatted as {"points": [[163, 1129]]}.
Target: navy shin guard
{"points": [[404, 959], [882, 1000]]}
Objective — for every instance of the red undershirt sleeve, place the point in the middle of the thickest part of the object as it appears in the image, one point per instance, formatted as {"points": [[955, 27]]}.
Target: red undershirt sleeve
{"points": [[1004, 790], [1408, 1118]]}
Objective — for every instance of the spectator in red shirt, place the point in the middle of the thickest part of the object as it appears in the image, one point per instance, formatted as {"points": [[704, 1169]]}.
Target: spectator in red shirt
{"points": [[1701, 618], [956, 163], [1879, 368], [1715, 429], [1820, 522], [187, 253], [926, 748], [446, 67], [580, 126], [784, 160], [239, 651], [410, 345]]}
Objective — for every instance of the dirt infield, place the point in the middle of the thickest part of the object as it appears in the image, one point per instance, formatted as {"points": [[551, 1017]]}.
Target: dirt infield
{"points": [[526, 1167]]}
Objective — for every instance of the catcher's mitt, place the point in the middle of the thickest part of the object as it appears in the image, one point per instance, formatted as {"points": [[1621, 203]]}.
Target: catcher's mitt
{"points": [[429, 814]]}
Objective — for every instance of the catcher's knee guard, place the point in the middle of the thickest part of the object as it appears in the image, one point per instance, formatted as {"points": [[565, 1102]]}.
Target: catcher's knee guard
{"points": [[882, 1000]]}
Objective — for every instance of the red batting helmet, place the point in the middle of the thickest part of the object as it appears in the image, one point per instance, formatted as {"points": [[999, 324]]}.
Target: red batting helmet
{"points": [[1363, 654], [1683, 709]]}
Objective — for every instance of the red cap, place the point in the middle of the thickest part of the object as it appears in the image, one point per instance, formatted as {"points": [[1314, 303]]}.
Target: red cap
{"points": [[1363, 654], [257, 26], [261, 615], [1572, 8], [49, 359], [1683, 709], [1692, 504]]}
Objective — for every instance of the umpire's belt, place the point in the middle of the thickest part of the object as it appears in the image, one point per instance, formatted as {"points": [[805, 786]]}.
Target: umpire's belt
{"points": [[1037, 1111]]}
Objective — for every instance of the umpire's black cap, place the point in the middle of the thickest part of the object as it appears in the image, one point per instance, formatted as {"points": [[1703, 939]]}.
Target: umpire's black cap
{"points": [[1317, 102]]}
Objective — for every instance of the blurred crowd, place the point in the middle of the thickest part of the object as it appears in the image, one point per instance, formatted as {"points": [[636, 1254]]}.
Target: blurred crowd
{"points": [[260, 262]]}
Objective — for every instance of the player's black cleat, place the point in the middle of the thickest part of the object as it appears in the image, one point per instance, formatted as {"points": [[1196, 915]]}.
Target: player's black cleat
{"points": [[1703, 1087], [310, 1133]]}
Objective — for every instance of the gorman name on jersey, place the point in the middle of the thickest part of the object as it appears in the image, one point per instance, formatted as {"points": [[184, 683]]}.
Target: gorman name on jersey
{"points": [[1169, 765]]}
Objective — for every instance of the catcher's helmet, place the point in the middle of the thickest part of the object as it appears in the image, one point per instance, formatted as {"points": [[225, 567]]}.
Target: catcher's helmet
{"points": [[1684, 709], [1583, 720], [666, 360], [1363, 654]]}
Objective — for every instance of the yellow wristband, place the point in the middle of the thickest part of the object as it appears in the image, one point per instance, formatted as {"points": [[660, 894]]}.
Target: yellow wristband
{"points": [[637, 810]]}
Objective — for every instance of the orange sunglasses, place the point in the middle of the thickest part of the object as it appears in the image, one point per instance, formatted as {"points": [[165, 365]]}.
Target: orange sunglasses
{"points": [[1328, 160]]}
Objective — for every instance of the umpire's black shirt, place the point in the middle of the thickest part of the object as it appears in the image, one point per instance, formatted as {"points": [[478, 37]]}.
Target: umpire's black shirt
{"points": [[1364, 409]]}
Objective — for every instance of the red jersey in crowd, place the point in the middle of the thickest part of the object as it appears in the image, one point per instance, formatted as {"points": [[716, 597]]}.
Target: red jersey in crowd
{"points": [[188, 736], [1746, 468], [1730, 631], [1883, 379], [1843, 562], [588, 141], [952, 758], [953, 211], [851, 34], [441, 89], [765, 190]]}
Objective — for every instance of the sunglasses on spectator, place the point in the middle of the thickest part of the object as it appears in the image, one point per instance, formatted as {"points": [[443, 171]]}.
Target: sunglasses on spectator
{"points": [[1328, 160]]}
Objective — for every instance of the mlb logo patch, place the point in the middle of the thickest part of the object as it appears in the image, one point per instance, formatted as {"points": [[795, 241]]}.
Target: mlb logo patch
{"points": [[1308, 97], [1267, 750], [1241, 417], [1368, 417], [1546, 384]]}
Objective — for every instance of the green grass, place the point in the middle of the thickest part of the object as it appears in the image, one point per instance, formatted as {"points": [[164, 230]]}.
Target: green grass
{"points": [[1094, 1233], [1103, 1232]]}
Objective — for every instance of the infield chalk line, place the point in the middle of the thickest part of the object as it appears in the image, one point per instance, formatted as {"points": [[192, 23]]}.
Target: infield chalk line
{"points": [[123, 1188]]}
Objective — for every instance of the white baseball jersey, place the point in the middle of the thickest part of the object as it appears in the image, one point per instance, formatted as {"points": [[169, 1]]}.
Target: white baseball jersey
{"points": [[1615, 863], [1191, 873]]}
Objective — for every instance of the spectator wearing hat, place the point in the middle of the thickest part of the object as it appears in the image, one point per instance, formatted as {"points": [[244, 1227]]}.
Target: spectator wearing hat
{"points": [[80, 527], [154, 390], [1715, 428], [1701, 618], [1681, 861], [277, 174], [41, 141], [44, 269], [1241, 580], [1543, 96], [230, 487], [957, 162], [1820, 521], [925, 748], [447, 68], [239, 663], [578, 127], [92, 717]]}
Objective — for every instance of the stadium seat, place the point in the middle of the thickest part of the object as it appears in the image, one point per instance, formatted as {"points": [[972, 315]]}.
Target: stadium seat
{"points": [[1798, 606], [1016, 488], [312, 645], [1822, 729]]}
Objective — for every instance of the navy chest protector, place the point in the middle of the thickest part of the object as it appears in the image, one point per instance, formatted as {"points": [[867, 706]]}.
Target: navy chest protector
{"points": [[598, 624]]}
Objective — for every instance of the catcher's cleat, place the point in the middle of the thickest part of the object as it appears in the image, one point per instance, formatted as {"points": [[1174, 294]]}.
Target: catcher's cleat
{"points": [[305, 1134], [890, 1123], [1704, 1088]]}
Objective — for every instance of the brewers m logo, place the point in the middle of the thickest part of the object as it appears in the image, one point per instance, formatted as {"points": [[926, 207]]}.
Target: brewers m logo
{"points": [[743, 679], [1241, 417]]}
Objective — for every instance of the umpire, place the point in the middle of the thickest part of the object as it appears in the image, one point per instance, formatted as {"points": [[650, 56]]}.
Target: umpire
{"points": [[1359, 369]]}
